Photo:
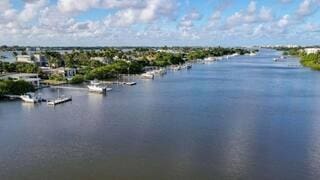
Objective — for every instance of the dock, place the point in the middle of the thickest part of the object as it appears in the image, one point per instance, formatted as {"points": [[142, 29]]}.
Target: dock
{"points": [[12, 96], [59, 101], [69, 87]]}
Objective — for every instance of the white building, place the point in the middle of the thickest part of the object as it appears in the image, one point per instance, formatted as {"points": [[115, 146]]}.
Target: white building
{"points": [[25, 59], [41, 60], [312, 50], [28, 77], [101, 59], [65, 72]]}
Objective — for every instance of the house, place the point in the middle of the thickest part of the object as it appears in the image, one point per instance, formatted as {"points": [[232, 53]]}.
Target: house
{"points": [[101, 59], [65, 72], [312, 50], [41, 60], [25, 59], [28, 77]]}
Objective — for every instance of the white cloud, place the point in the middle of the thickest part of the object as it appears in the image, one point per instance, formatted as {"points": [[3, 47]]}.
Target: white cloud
{"points": [[152, 10], [70, 6], [4, 5], [31, 9], [251, 15], [307, 8], [186, 24], [284, 22]]}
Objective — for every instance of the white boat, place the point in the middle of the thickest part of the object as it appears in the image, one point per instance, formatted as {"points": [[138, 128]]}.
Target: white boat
{"points": [[209, 59], [176, 68], [96, 87], [130, 83], [281, 58], [30, 98], [161, 71], [59, 100], [147, 75], [252, 54]]}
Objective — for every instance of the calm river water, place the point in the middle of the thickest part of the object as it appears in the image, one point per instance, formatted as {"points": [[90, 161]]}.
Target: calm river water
{"points": [[244, 118]]}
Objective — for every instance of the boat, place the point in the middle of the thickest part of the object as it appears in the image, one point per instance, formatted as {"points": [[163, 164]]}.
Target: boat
{"points": [[161, 71], [252, 54], [30, 98], [276, 59], [59, 100], [147, 75], [130, 83], [279, 58], [189, 66], [95, 86], [209, 59], [176, 68]]}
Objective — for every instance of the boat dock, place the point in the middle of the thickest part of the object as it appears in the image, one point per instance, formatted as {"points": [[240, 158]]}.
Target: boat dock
{"points": [[12, 96], [59, 100], [69, 87]]}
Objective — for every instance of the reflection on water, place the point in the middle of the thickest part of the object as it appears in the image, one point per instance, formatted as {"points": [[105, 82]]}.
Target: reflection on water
{"points": [[242, 118]]}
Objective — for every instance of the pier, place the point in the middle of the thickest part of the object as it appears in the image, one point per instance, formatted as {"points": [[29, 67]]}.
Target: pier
{"points": [[69, 87]]}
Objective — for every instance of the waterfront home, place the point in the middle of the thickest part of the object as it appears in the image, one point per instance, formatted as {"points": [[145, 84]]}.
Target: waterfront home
{"points": [[41, 60], [65, 72], [312, 50], [101, 59], [28, 77], [25, 59]]}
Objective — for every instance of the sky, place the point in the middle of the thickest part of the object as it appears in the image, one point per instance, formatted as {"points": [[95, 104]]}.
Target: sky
{"points": [[159, 22]]}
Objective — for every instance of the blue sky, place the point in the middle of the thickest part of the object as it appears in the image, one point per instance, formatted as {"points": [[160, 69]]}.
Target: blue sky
{"points": [[159, 22]]}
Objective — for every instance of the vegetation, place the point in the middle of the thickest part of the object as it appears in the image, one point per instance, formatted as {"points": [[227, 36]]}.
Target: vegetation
{"points": [[120, 60], [219, 51], [114, 69], [311, 60], [291, 51], [18, 67], [308, 60], [15, 87], [165, 59], [57, 77], [77, 79]]}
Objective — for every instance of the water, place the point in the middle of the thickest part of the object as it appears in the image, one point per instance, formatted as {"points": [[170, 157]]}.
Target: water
{"points": [[245, 118]]}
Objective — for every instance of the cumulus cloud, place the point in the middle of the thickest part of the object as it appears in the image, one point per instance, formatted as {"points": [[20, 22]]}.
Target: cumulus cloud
{"points": [[251, 15], [31, 9], [70, 6], [307, 7], [152, 10], [4, 5], [186, 24], [145, 21]]}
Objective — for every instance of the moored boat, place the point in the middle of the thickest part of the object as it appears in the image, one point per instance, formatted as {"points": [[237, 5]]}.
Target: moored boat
{"points": [[31, 98], [147, 75], [130, 83], [209, 59], [95, 86]]}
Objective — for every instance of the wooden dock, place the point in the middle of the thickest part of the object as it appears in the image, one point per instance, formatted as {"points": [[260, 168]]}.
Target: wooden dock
{"points": [[69, 87], [12, 96]]}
